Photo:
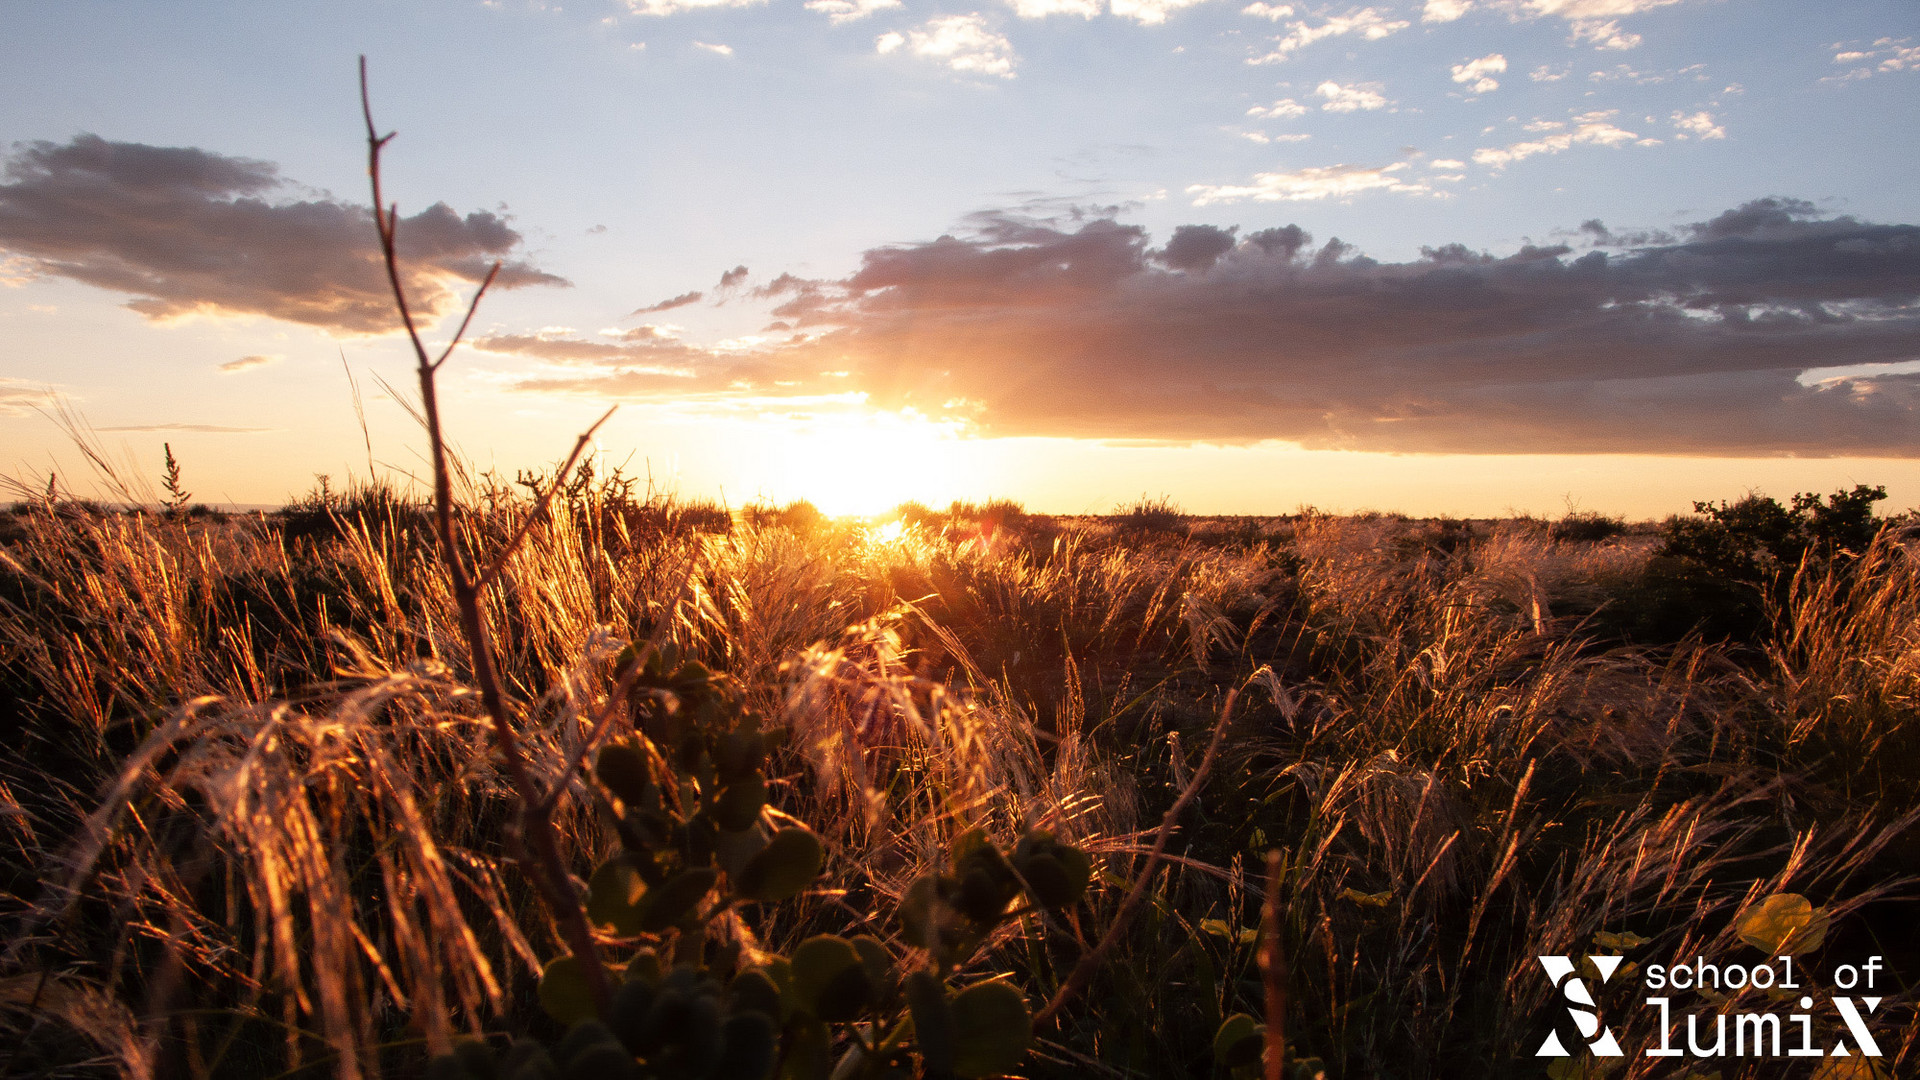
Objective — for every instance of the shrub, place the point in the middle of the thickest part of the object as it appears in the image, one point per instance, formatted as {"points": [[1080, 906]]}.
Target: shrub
{"points": [[1586, 527], [1150, 515], [1756, 539]]}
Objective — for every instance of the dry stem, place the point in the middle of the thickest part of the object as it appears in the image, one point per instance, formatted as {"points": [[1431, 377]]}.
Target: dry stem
{"points": [[543, 863]]}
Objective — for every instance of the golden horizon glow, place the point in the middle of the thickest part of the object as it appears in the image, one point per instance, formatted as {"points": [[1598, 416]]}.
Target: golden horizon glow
{"points": [[865, 462]]}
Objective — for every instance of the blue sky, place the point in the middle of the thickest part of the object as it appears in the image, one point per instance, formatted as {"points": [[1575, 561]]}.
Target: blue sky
{"points": [[640, 152]]}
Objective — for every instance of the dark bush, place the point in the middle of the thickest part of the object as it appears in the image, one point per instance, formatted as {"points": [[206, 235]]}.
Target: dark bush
{"points": [[1586, 526], [1756, 539]]}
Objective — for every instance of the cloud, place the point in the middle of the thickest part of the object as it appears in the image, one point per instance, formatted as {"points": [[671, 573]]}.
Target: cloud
{"points": [[1366, 22], [963, 43], [246, 363], [1040, 9], [1284, 109], [1605, 34], [207, 429], [1196, 247], [1444, 11], [1699, 125], [846, 11], [1592, 129], [1595, 22], [1148, 12], [732, 278], [188, 231], [1695, 343], [1886, 55], [717, 50], [1478, 74], [18, 397], [670, 7], [1346, 99], [669, 304], [1312, 184]]}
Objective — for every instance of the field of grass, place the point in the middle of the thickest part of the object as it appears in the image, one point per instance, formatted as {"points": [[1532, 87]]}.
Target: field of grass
{"points": [[252, 822]]}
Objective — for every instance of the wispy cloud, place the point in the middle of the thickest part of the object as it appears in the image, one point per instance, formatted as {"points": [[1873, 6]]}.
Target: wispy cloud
{"points": [[1589, 129], [1312, 185], [1284, 109], [19, 397], [1700, 125], [1592, 22], [205, 429], [1368, 23], [671, 7], [964, 43], [1886, 55], [248, 363], [1148, 12], [846, 11], [717, 50], [671, 302], [1359, 97], [1478, 75], [188, 231]]}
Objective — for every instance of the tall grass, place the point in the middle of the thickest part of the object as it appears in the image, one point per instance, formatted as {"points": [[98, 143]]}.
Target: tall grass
{"points": [[259, 826]]}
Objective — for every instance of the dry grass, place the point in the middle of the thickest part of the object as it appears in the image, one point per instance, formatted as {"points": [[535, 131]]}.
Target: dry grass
{"points": [[258, 826]]}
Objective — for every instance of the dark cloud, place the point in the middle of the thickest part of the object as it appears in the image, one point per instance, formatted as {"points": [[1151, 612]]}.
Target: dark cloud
{"points": [[1196, 247], [733, 277], [187, 230], [669, 304], [1690, 344]]}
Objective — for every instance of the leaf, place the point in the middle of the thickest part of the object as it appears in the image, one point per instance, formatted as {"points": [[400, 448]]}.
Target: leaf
{"points": [[1624, 940], [933, 1030], [991, 1030], [1371, 900], [784, 868], [829, 978], [677, 899], [1239, 1042], [739, 804], [622, 767], [564, 993], [616, 898], [1219, 928], [1784, 924], [751, 1042]]}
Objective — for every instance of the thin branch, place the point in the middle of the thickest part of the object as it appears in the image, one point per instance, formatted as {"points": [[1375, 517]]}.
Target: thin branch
{"points": [[544, 864], [467, 319], [1083, 972]]}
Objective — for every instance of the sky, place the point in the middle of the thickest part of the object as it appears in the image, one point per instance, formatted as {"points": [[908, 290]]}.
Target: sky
{"points": [[1463, 257]]}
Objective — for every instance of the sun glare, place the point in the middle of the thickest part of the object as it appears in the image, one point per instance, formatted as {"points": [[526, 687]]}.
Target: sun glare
{"points": [[867, 463]]}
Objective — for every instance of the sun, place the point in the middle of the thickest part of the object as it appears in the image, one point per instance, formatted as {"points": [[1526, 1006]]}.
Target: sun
{"points": [[865, 463]]}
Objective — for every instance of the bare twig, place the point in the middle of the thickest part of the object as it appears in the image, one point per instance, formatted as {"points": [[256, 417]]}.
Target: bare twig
{"points": [[544, 864], [1090, 963]]}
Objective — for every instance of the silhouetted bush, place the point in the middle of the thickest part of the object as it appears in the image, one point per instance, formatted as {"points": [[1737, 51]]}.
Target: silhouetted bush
{"points": [[1756, 539], [1586, 526]]}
